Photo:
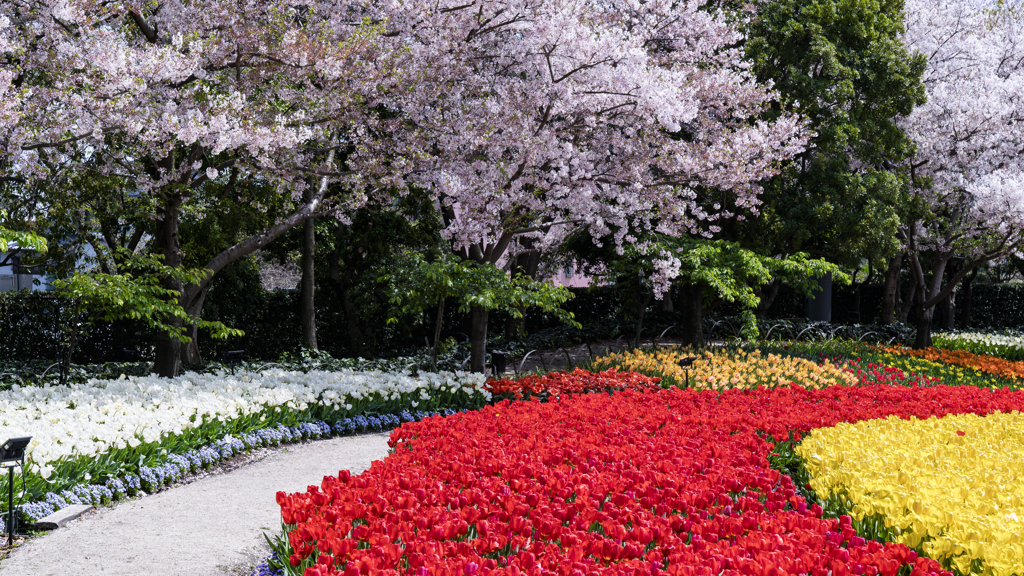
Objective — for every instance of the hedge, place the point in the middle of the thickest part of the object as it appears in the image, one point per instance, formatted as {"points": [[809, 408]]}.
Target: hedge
{"points": [[38, 325]]}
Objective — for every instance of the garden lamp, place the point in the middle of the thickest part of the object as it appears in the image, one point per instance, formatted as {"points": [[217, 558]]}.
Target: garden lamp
{"points": [[499, 361], [686, 364], [233, 358], [12, 454]]}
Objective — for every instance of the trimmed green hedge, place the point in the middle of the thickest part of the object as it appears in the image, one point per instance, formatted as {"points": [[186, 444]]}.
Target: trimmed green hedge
{"points": [[38, 325]]}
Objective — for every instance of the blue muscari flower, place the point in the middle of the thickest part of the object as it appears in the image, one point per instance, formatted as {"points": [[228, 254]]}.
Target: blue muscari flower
{"points": [[70, 497], [405, 416], [286, 433], [207, 456], [38, 510], [183, 462], [101, 494], [344, 426], [83, 493], [117, 488], [194, 459], [264, 569], [149, 478]]}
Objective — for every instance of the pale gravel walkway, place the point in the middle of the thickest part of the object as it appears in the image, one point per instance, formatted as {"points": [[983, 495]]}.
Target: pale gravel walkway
{"points": [[199, 529]]}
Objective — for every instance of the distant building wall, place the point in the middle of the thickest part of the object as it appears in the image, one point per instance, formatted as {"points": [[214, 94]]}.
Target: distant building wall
{"points": [[570, 278], [12, 277]]}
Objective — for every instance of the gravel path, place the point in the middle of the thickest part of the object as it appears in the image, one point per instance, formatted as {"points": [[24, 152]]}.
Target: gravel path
{"points": [[211, 526]]}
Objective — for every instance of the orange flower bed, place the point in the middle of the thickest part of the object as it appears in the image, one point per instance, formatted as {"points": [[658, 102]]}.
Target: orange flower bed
{"points": [[981, 362]]}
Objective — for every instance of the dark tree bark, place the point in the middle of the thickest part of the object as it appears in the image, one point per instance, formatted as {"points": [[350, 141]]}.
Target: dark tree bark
{"points": [[190, 351], [908, 295], [526, 262], [947, 310], [666, 303], [854, 312], [478, 339], [891, 289], [947, 307], [967, 288], [168, 349], [308, 306], [343, 283], [167, 243], [643, 300], [437, 333], [932, 291], [693, 307], [923, 322], [767, 298]]}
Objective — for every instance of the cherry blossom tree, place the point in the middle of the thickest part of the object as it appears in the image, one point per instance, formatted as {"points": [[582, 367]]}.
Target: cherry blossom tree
{"points": [[521, 117], [970, 141], [541, 115], [9, 94], [175, 95]]}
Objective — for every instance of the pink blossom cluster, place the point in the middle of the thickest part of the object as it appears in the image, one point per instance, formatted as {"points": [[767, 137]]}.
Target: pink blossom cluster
{"points": [[526, 115], [968, 134]]}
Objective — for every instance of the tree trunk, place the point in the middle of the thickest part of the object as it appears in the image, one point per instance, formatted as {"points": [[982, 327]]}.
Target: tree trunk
{"points": [[767, 298], [190, 351], [65, 367], [343, 283], [168, 347], [642, 304], [308, 308], [907, 297], [947, 309], [924, 326], [693, 308], [526, 263], [967, 285], [478, 339], [891, 289], [929, 293], [666, 303], [437, 333]]}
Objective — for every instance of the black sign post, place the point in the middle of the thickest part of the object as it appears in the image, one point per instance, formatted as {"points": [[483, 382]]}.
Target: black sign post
{"points": [[686, 364], [12, 454]]}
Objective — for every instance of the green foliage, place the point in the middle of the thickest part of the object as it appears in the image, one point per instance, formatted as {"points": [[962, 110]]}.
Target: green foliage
{"points": [[732, 272], [841, 64], [24, 240], [421, 284], [140, 295], [36, 329]]}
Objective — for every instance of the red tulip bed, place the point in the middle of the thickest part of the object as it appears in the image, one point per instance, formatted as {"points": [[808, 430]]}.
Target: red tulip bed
{"points": [[641, 482], [578, 381]]}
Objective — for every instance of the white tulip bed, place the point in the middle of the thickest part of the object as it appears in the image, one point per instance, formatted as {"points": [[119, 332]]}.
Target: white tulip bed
{"points": [[95, 442], [1009, 346]]}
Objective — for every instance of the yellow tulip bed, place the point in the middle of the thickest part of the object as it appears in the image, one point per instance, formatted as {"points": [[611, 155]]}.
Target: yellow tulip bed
{"points": [[723, 369], [953, 485]]}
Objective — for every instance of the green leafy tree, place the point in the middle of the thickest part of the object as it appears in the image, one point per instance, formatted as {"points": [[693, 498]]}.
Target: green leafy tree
{"points": [[14, 241], [841, 64], [720, 267], [421, 284], [138, 292]]}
